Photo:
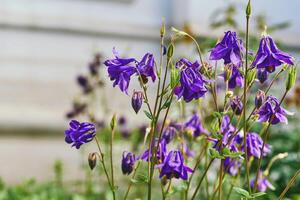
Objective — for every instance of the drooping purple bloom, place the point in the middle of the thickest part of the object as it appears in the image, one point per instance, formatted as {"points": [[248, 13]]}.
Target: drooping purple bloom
{"points": [[137, 101], [187, 151], [236, 79], [262, 75], [262, 183], [146, 66], [120, 70], [79, 133], [236, 105], [271, 110], [195, 126], [268, 55], [231, 166], [169, 133], [173, 166], [128, 160], [83, 82], [230, 49], [254, 145], [192, 84], [161, 152]]}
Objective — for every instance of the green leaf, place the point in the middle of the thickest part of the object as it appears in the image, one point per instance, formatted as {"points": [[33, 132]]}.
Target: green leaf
{"points": [[140, 178], [148, 115], [258, 194], [166, 104], [227, 153], [174, 77], [242, 192], [214, 153]]}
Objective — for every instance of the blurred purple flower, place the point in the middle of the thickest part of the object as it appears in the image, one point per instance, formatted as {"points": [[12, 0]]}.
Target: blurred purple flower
{"points": [[187, 151], [195, 126], [230, 49], [79, 133], [161, 152], [236, 105], [128, 161], [169, 133], [120, 70], [173, 166], [262, 183], [146, 66], [268, 55], [254, 145], [232, 165], [262, 75], [271, 110], [192, 85]]}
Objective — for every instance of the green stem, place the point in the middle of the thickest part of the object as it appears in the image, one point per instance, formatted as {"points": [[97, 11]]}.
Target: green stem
{"points": [[220, 179], [245, 102], [111, 163], [289, 185], [130, 184]]}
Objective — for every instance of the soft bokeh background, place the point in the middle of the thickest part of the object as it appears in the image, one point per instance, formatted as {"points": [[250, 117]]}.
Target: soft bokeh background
{"points": [[45, 44]]}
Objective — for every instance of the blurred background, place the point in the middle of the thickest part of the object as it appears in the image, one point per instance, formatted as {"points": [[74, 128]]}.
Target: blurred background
{"points": [[45, 44]]}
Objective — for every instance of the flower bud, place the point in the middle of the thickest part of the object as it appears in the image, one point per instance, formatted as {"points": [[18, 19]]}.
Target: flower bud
{"points": [[128, 161], [137, 101], [291, 79], [113, 122], [248, 9], [170, 50], [262, 75], [162, 29], [92, 159], [236, 105], [260, 96], [227, 72]]}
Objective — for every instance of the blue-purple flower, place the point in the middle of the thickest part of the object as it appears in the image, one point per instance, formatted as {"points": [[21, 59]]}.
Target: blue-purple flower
{"points": [[192, 84], [236, 79], [128, 160], [79, 133], [174, 167], [169, 133], [187, 151], [146, 66], [230, 49], [120, 70], [231, 166], [194, 126], [262, 75], [236, 105], [262, 183], [268, 55], [161, 151], [255, 144], [272, 111]]}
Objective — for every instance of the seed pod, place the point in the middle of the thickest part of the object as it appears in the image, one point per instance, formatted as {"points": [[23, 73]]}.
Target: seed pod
{"points": [[92, 159], [291, 79]]}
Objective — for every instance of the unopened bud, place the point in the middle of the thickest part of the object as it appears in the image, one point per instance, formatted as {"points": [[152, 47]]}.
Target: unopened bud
{"points": [[236, 105], [259, 99], [227, 72], [137, 100], [113, 122], [291, 79], [162, 29], [248, 9], [92, 159], [170, 50], [262, 75]]}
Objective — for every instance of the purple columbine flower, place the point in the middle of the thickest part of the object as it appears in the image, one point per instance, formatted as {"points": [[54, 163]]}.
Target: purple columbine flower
{"points": [[230, 49], [79, 133], [232, 165], [169, 133], [173, 166], [254, 145], [187, 151], [194, 126], [120, 70], [161, 152], [128, 160], [268, 55], [271, 110], [146, 66], [236, 105], [262, 183], [192, 85], [137, 101], [236, 79]]}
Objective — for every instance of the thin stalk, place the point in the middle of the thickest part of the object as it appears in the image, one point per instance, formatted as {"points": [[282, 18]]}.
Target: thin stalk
{"points": [[103, 163], [265, 139], [202, 178], [245, 102], [289, 185], [130, 184], [167, 191], [111, 163], [221, 179]]}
